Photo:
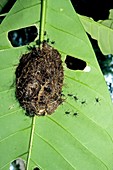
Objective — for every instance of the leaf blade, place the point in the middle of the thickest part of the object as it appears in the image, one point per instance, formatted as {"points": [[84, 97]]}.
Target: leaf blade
{"points": [[61, 141]]}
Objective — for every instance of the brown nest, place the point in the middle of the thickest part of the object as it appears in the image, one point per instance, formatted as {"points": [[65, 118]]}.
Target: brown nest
{"points": [[39, 80]]}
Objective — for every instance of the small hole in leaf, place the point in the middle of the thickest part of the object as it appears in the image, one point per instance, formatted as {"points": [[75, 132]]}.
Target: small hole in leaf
{"points": [[36, 168], [75, 63], [17, 164], [22, 36]]}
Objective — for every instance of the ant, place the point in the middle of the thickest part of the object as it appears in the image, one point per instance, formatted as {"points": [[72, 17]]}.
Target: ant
{"points": [[75, 114], [83, 102], [67, 113], [97, 99], [75, 97], [45, 33], [52, 42], [48, 40], [70, 95], [62, 94]]}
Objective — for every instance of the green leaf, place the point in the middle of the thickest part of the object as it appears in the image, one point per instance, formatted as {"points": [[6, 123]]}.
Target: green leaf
{"points": [[58, 141], [101, 31]]}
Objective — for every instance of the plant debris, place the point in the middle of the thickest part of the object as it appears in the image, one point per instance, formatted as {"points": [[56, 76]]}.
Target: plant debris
{"points": [[39, 81]]}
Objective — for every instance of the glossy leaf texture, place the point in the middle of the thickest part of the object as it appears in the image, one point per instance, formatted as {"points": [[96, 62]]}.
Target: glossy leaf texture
{"points": [[102, 31], [59, 141]]}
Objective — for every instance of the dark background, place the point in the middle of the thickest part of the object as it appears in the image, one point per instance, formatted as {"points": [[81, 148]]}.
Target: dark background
{"points": [[97, 9]]}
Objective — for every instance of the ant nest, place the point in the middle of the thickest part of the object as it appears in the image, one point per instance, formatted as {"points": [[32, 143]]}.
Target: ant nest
{"points": [[39, 81]]}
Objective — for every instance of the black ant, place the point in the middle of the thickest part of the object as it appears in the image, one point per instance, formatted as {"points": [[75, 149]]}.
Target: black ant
{"points": [[45, 33], [75, 97], [34, 50], [47, 40], [83, 102], [97, 99], [67, 113], [75, 114], [52, 42], [62, 94], [70, 95]]}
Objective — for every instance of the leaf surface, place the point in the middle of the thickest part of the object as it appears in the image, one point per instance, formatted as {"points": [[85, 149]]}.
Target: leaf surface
{"points": [[58, 141], [102, 31]]}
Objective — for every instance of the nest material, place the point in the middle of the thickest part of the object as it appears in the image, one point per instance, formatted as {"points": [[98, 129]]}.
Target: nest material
{"points": [[39, 80]]}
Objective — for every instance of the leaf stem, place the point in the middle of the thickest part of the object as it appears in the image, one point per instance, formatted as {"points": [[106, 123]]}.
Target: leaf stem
{"points": [[30, 142], [41, 38], [42, 20]]}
